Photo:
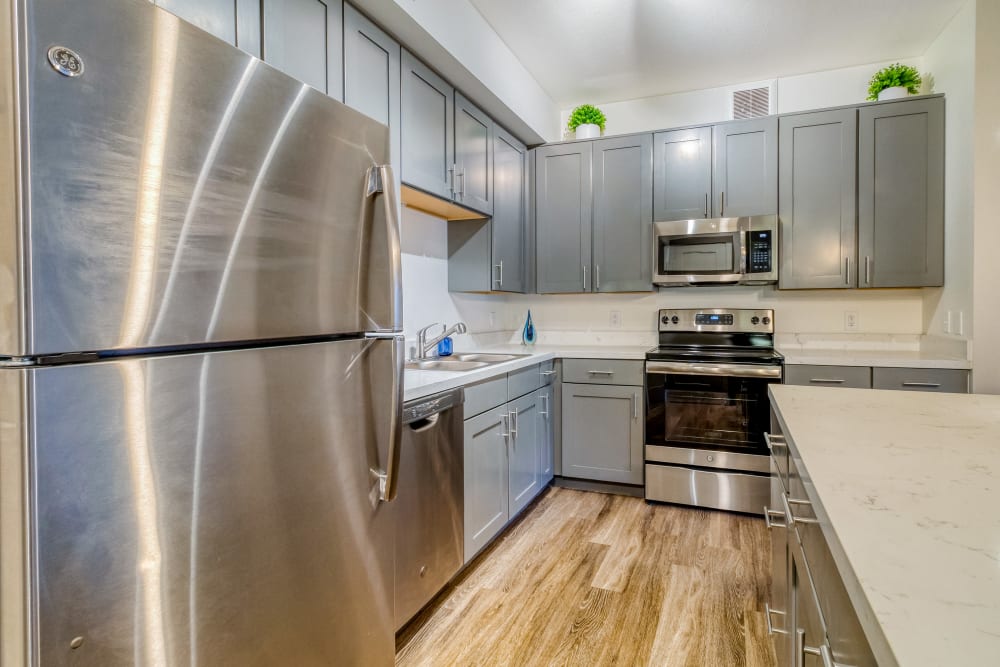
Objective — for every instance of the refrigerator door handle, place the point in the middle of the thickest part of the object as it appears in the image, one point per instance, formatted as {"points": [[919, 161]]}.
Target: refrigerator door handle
{"points": [[388, 479], [381, 181]]}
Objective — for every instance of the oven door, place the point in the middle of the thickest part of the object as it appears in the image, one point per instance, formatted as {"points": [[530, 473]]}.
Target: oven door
{"points": [[709, 406]]}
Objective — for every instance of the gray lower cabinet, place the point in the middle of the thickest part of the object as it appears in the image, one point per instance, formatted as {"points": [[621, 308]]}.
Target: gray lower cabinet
{"points": [[473, 179], [372, 73], [563, 205], [305, 39], [525, 452], [428, 128], [817, 200], [682, 174], [234, 21], [486, 478], [547, 416], [623, 214], [901, 193], [745, 167], [865, 377], [778, 608], [848, 377], [602, 432]]}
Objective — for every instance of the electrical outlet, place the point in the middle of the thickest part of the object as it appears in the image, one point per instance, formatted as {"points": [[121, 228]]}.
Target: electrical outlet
{"points": [[850, 320], [616, 319], [946, 322]]}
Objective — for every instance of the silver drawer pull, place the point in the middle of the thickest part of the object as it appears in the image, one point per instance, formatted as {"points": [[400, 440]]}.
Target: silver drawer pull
{"points": [[791, 518], [601, 372], [771, 630], [823, 652], [826, 381], [768, 513], [771, 438], [922, 384], [548, 373]]}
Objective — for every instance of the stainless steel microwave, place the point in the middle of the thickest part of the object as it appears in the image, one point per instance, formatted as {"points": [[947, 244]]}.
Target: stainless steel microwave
{"points": [[716, 251]]}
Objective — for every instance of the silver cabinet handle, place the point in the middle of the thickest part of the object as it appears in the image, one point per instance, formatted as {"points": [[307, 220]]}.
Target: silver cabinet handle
{"points": [[635, 406], [823, 652], [584, 277], [771, 630], [505, 433], [548, 373], [771, 438], [601, 372], [722, 200], [922, 384], [499, 268], [768, 513], [847, 270], [461, 174], [513, 423], [868, 270], [451, 180], [791, 519], [706, 204], [597, 277], [826, 380], [545, 405]]}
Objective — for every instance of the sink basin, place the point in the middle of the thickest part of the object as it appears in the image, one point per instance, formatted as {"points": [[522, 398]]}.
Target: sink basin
{"points": [[445, 365], [488, 358]]}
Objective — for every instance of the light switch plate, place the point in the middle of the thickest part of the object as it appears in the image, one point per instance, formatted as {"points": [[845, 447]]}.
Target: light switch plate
{"points": [[850, 320]]}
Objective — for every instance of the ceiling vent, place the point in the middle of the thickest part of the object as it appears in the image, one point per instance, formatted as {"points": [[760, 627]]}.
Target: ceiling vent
{"points": [[751, 102]]}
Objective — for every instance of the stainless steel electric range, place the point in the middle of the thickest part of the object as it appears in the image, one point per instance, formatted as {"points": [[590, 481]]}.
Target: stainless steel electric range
{"points": [[707, 408]]}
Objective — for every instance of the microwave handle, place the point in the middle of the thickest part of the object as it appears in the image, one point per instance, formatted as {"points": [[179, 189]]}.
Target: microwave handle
{"points": [[744, 239]]}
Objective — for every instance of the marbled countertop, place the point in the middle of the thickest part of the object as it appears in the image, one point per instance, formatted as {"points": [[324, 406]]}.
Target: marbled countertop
{"points": [[908, 490], [417, 384]]}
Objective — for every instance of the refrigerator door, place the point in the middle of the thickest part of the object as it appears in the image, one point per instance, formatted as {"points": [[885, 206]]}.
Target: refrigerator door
{"points": [[181, 191], [215, 509]]}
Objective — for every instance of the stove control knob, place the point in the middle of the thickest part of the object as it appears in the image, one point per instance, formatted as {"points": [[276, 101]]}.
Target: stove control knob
{"points": [[665, 319], [754, 320], [675, 319], [766, 320]]}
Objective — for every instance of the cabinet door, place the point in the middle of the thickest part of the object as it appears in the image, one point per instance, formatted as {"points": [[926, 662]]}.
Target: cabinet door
{"points": [[778, 605], [563, 217], [305, 39], [901, 194], [486, 492], [509, 213], [524, 455], [602, 433], [817, 174], [745, 171], [235, 21], [623, 214], [808, 630], [546, 434], [473, 183], [371, 73], [682, 174], [428, 108]]}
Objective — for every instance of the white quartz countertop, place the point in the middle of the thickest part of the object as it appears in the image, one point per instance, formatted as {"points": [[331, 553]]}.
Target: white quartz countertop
{"points": [[417, 384], [884, 358], [908, 490]]}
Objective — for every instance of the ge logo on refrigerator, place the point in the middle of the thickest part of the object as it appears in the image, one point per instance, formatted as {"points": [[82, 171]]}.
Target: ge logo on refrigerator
{"points": [[65, 61]]}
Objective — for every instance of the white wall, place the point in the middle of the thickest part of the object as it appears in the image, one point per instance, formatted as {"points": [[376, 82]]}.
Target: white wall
{"points": [[848, 85], [950, 60], [986, 295]]}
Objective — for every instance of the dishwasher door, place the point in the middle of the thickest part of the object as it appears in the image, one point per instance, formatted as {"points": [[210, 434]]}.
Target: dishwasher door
{"points": [[429, 507]]}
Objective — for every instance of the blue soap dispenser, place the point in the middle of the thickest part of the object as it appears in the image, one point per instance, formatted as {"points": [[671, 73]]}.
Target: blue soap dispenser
{"points": [[528, 333], [445, 347]]}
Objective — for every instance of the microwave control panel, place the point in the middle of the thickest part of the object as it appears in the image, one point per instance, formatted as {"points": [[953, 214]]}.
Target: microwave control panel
{"points": [[760, 251]]}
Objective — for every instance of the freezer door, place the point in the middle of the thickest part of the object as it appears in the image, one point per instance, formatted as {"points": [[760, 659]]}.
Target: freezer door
{"points": [[216, 509], [182, 191]]}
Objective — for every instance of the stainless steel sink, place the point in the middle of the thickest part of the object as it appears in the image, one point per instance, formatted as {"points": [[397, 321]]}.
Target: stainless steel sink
{"points": [[487, 357], [445, 365]]}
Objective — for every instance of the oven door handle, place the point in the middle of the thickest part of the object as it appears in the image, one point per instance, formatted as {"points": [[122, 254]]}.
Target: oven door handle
{"points": [[720, 370]]}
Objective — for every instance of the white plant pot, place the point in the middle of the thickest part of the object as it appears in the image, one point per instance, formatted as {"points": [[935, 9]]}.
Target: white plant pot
{"points": [[588, 131], [893, 93]]}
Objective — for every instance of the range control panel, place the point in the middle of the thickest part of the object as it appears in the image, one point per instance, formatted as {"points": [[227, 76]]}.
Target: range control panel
{"points": [[737, 320], [760, 251]]}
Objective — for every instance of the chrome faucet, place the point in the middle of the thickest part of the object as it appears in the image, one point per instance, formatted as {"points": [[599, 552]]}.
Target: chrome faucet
{"points": [[424, 346]]}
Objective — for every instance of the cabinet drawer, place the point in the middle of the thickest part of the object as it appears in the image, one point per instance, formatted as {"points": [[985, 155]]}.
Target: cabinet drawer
{"points": [[922, 379], [855, 377], [485, 395], [547, 373], [603, 371], [521, 382]]}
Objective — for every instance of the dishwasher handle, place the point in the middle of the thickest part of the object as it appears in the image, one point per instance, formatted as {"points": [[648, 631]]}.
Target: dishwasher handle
{"points": [[425, 424]]}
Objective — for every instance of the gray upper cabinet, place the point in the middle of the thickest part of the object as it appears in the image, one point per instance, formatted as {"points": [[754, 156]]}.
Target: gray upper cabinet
{"points": [[623, 214], [428, 108], [235, 21], [371, 73], [304, 39], [682, 173], [745, 172], [817, 174], [509, 226], [901, 194], [563, 217], [602, 432], [473, 179]]}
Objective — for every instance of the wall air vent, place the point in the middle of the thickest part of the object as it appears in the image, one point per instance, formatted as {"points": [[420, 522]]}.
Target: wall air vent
{"points": [[751, 102]]}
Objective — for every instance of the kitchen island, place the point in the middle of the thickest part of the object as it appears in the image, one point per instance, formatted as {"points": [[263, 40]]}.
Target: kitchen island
{"points": [[906, 491]]}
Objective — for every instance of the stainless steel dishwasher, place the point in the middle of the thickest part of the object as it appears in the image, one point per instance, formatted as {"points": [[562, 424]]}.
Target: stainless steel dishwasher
{"points": [[429, 507]]}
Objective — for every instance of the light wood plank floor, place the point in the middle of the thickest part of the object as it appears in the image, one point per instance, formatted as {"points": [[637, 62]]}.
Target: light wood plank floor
{"points": [[594, 579]]}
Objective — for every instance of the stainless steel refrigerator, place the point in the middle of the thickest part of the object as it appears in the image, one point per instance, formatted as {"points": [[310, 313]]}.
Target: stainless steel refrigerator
{"points": [[200, 364]]}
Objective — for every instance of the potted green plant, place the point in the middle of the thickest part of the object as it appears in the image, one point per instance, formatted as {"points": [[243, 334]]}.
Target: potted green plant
{"points": [[587, 121], [894, 82]]}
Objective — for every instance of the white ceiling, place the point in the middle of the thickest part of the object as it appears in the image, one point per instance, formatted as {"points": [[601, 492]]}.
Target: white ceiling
{"points": [[610, 50]]}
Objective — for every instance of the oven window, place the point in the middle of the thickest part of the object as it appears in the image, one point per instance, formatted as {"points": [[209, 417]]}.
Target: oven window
{"points": [[704, 254], [725, 413]]}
